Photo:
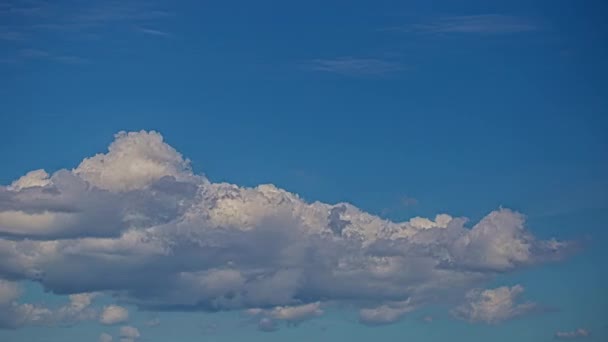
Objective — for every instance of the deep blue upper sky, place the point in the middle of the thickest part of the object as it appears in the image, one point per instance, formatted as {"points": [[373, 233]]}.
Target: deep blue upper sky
{"points": [[402, 108]]}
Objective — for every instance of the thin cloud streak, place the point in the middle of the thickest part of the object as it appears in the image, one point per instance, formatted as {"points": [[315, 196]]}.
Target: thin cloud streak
{"points": [[33, 22], [473, 24], [354, 66], [154, 32], [33, 54]]}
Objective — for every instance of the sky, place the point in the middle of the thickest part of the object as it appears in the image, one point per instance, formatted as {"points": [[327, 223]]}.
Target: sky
{"points": [[320, 170]]}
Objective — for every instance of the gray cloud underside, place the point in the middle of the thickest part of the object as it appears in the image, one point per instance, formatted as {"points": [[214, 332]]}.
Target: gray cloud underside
{"points": [[138, 223]]}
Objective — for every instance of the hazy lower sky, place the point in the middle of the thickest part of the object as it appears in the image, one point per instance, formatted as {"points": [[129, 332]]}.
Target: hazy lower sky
{"points": [[303, 171]]}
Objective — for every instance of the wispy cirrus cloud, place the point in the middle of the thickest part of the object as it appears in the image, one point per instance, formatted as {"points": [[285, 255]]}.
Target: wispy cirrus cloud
{"points": [[154, 32], [27, 26], [355, 66], [473, 24], [9, 34], [33, 54]]}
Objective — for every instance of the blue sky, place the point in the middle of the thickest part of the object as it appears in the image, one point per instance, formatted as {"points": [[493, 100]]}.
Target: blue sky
{"points": [[402, 109]]}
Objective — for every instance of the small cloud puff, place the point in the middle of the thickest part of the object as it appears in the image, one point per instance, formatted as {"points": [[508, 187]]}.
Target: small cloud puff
{"points": [[578, 333], [129, 334], [385, 314], [494, 305], [105, 337], [292, 315], [114, 314]]}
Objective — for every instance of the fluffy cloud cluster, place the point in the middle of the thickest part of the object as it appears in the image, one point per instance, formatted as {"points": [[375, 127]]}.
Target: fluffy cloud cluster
{"points": [[14, 314], [163, 238]]}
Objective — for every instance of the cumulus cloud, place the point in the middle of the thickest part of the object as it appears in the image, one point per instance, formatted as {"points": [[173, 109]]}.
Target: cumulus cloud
{"points": [[493, 305], [9, 292], [578, 333], [31, 179], [295, 314], [267, 325], [105, 337], [114, 314], [14, 314], [292, 315], [386, 313], [129, 334], [133, 161], [163, 238]]}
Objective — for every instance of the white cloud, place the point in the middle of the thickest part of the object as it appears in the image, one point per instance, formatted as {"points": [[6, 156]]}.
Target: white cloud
{"points": [[292, 315], [477, 24], [31, 179], [385, 314], [9, 292], [356, 66], [133, 161], [298, 313], [129, 333], [162, 238], [494, 305], [14, 314], [267, 325], [105, 337], [78, 309], [114, 314], [578, 333]]}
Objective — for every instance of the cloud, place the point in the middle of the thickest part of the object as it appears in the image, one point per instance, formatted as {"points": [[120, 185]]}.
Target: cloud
{"points": [[114, 314], [476, 24], [37, 54], [105, 337], [78, 309], [129, 334], [267, 325], [578, 333], [292, 315], [15, 315], [9, 292], [296, 314], [493, 306], [133, 161], [160, 237], [404, 203], [154, 32], [354, 66], [153, 322], [30, 24], [11, 36], [386, 313], [408, 201]]}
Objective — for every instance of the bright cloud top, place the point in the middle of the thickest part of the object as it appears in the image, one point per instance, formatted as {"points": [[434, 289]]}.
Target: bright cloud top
{"points": [[163, 238], [114, 314], [492, 306]]}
